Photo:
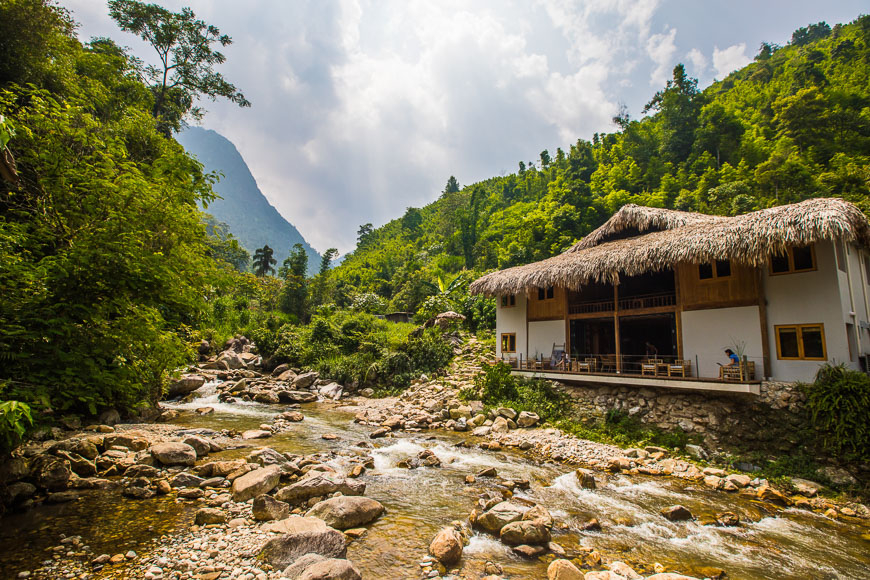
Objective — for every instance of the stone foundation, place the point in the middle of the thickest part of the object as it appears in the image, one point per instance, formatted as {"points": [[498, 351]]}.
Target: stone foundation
{"points": [[767, 421]]}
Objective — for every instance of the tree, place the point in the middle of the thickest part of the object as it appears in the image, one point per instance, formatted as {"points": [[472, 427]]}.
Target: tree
{"points": [[263, 261], [452, 185], [295, 291], [187, 60], [363, 235], [326, 260], [545, 159], [412, 222], [678, 105]]}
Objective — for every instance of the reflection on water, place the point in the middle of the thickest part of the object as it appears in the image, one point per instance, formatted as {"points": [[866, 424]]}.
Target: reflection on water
{"points": [[771, 544]]}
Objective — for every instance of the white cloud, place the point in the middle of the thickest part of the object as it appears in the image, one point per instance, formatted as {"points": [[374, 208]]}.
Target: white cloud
{"points": [[661, 50], [698, 60], [730, 59]]}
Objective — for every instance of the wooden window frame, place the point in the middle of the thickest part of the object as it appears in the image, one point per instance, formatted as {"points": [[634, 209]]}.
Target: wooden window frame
{"points": [[790, 254], [508, 335], [800, 342], [715, 268], [549, 293], [508, 301]]}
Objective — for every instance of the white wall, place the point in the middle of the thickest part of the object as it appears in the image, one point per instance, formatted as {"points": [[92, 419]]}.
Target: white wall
{"points": [[707, 333], [809, 298], [542, 336], [511, 319]]}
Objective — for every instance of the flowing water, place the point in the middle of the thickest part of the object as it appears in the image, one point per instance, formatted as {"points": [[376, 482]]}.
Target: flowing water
{"points": [[770, 544]]}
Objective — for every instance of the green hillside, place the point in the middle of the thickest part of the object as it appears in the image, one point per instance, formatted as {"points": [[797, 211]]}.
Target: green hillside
{"points": [[793, 124]]}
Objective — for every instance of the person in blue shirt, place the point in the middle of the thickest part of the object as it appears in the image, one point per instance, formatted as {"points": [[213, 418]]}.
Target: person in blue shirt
{"points": [[733, 359]]}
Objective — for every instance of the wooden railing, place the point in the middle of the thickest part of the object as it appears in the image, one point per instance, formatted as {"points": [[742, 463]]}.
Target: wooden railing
{"points": [[632, 303]]}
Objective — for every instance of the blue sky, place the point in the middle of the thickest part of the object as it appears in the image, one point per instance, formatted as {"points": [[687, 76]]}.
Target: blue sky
{"points": [[363, 108]]}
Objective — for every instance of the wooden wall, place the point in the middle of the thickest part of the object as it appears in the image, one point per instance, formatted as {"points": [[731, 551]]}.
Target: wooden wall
{"points": [[552, 309], [738, 289]]}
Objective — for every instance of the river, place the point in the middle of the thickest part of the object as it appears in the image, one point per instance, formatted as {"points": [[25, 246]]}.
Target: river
{"points": [[770, 543]]}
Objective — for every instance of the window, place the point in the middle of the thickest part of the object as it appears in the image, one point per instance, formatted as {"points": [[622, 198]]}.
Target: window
{"points": [[508, 301], [546, 293], [800, 342], [841, 255], [797, 259], [718, 269], [509, 342]]}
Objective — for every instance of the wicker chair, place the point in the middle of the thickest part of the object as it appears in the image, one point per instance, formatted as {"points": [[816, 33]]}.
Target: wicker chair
{"points": [[650, 366], [680, 368], [588, 365]]}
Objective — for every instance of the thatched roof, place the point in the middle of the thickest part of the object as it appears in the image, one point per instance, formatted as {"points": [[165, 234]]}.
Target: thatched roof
{"points": [[677, 237]]}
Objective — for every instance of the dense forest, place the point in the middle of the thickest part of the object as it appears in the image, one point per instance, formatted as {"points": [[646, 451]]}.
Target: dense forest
{"points": [[111, 273]]}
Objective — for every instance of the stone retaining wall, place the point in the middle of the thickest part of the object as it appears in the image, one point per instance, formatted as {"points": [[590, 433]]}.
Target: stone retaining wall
{"points": [[754, 421]]}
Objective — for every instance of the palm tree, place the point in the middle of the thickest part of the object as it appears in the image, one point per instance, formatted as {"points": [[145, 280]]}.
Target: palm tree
{"points": [[263, 261]]}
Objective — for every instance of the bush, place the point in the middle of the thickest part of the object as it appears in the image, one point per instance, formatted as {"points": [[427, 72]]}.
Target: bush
{"points": [[839, 405], [497, 387], [15, 419], [428, 353]]}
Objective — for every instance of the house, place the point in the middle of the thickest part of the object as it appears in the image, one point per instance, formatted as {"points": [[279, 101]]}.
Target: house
{"points": [[655, 296]]}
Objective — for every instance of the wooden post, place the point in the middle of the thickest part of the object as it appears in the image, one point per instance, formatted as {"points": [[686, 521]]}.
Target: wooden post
{"points": [[567, 328], [616, 328], [762, 316], [678, 320]]}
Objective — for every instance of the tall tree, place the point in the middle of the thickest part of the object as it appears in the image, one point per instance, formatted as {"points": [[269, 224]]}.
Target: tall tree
{"points": [[184, 46], [363, 234], [295, 292], [452, 185], [263, 261], [678, 105]]}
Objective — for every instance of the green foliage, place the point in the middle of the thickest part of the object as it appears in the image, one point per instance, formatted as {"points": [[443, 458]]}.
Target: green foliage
{"points": [[15, 419], [263, 261], [427, 353], [497, 387], [839, 405]]}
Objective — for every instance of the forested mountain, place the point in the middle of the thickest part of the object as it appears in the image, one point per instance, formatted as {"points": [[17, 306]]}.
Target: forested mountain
{"points": [[242, 206], [793, 124]]}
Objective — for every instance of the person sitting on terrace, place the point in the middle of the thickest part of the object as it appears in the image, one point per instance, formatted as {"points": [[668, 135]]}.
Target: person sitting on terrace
{"points": [[733, 359], [651, 350]]}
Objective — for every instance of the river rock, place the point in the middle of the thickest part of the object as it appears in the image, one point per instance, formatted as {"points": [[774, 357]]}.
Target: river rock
{"points": [[295, 570], [563, 570], [527, 419], [266, 508], [446, 546], [728, 519], [500, 425], [501, 514], [268, 456], [303, 535], [316, 484], [805, 487], [20, 491], [219, 468], [256, 482], [539, 514], [293, 416], [205, 516], [696, 451], [838, 475], [738, 479], [231, 359], [132, 441], [50, 472], [305, 380], [624, 570], [767, 493], [585, 478], [185, 385], [345, 512], [527, 551], [174, 453], [296, 396], [110, 417], [201, 445], [267, 398], [331, 569], [185, 479], [525, 532], [256, 434], [677, 513], [331, 391], [670, 576]]}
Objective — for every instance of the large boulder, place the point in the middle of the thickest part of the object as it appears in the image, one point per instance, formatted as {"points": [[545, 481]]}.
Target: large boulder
{"points": [[331, 391], [525, 532], [331, 569], [500, 515], [585, 478], [268, 456], [207, 516], [303, 536], [296, 396], [201, 445], [256, 483], [174, 453], [344, 512], [500, 425], [266, 508], [317, 484], [232, 360], [305, 380], [134, 441], [185, 385], [297, 568], [563, 570], [527, 419], [446, 546], [677, 513], [50, 472]]}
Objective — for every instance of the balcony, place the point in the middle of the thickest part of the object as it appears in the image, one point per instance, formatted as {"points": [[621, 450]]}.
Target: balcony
{"points": [[646, 301]]}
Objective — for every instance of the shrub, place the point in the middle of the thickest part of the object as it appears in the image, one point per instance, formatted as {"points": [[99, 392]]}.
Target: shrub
{"points": [[497, 387], [15, 418], [428, 353], [839, 405]]}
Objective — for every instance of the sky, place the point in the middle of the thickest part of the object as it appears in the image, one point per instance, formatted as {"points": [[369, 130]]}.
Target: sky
{"points": [[361, 108]]}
